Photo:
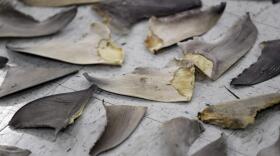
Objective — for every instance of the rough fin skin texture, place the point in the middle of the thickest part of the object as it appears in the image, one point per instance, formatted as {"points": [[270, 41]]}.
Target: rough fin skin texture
{"points": [[215, 58], [16, 24], [172, 138], [96, 48], [13, 151], [180, 134], [240, 113], [273, 150], [124, 14], [176, 83], [267, 66], [57, 3], [3, 62], [122, 121], [216, 148], [167, 31], [55, 111], [28, 75]]}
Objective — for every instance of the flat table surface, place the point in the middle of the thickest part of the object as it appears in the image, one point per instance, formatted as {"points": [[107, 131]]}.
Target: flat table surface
{"points": [[77, 139]]}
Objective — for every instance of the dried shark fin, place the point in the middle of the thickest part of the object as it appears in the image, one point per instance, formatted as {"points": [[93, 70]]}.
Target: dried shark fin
{"points": [[167, 31], [124, 14], [56, 3], [22, 77], [172, 84], [17, 24], [96, 48], [216, 148], [13, 151], [122, 121], [214, 59], [55, 111], [3, 61], [273, 150], [267, 66], [172, 138], [240, 113], [179, 134]]}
